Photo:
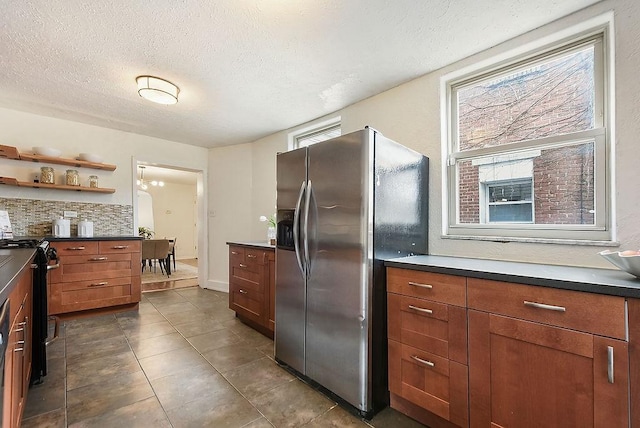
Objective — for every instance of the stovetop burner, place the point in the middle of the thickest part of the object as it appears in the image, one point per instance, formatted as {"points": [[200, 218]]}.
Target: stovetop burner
{"points": [[19, 243]]}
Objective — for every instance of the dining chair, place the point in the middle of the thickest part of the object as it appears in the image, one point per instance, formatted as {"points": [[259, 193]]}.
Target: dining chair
{"points": [[148, 250], [161, 253], [172, 250]]}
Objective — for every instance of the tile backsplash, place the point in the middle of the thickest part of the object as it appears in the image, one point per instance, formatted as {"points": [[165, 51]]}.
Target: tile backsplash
{"points": [[32, 217]]}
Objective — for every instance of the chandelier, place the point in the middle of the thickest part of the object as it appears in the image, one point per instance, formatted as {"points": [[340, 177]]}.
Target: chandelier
{"points": [[144, 185]]}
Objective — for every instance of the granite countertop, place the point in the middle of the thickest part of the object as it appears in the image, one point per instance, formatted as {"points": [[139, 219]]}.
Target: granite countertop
{"points": [[257, 244], [593, 280], [12, 262]]}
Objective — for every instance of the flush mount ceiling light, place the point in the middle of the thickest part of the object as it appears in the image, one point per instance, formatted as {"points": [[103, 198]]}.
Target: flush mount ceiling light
{"points": [[157, 90]]}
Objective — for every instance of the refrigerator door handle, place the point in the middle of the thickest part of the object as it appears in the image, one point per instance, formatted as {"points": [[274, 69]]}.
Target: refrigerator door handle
{"points": [[296, 224], [307, 261]]}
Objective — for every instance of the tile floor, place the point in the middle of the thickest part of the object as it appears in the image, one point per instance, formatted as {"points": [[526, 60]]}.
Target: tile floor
{"points": [[181, 360]]}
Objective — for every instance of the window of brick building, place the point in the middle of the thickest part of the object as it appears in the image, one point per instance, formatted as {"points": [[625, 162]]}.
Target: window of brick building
{"points": [[527, 148]]}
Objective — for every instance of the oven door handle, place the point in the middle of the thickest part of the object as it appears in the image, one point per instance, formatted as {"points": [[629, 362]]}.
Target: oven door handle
{"points": [[49, 267]]}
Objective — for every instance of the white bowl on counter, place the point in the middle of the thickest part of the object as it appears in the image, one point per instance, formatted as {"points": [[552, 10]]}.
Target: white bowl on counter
{"points": [[90, 157], [47, 151], [628, 261]]}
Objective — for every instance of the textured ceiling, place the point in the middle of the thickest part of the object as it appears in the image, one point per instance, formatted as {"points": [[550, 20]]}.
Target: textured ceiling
{"points": [[245, 68]]}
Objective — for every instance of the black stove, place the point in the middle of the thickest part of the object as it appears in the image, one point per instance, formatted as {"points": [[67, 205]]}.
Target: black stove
{"points": [[21, 243]]}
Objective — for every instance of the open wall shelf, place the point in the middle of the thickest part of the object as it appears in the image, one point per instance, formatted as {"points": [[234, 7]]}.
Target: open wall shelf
{"points": [[13, 182], [10, 152]]}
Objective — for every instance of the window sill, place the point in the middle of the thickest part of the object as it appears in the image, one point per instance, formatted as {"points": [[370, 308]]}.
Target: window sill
{"points": [[505, 239]]}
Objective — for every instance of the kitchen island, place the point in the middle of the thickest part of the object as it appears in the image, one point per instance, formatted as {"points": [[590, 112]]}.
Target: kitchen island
{"points": [[489, 343], [96, 275]]}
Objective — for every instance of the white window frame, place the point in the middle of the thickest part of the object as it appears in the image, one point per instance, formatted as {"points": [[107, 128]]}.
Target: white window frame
{"points": [[486, 205], [602, 232], [308, 131]]}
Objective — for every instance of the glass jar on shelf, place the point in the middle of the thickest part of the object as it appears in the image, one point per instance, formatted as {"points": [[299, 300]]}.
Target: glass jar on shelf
{"points": [[46, 175], [93, 181], [72, 177]]}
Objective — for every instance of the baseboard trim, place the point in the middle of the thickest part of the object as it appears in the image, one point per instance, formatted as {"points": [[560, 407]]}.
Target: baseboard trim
{"points": [[217, 285]]}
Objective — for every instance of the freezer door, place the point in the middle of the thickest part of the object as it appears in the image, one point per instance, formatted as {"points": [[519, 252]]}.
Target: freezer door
{"points": [[289, 335], [337, 286]]}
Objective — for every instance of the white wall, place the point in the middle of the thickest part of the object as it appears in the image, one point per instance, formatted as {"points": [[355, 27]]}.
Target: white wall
{"points": [[410, 114], [174, 215]]}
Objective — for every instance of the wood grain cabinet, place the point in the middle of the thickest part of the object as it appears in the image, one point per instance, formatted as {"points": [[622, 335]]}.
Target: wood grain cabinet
{"points": [[17, 364], [546, 357], [252, 286], [427, 332], [95, 274]]}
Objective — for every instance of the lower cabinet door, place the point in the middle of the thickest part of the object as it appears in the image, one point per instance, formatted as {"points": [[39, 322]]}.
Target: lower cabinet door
{"points": [[429, 381], [525, 374]]}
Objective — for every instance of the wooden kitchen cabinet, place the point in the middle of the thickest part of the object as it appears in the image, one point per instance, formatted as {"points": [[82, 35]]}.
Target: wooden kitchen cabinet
{"points": [[95, 274], [427, 332], [252, 286], [546, 357], [17, 365]]}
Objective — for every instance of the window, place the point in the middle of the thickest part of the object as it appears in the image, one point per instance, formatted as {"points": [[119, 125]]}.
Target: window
{"points": [[527, 148], [316, 135]]}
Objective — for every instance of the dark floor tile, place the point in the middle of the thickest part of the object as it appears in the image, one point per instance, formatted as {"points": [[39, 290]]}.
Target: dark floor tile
{"points": [[56, 348], [49, 395], [82, 372], [99, 398], [97, 348], [147, 331], [229, 411], [140, 318], [192, 384], [142, 414], [229, 357], [92, 334], [81, 324], [337, 417], [391, 418], [259, 423], [164, 297], [54, 419], [178, 307], [158, 345], [292, 404], [253, 338], [214, 340], [257, 377], [267, 350], [171, 362], [177, 318], [202, 326]]}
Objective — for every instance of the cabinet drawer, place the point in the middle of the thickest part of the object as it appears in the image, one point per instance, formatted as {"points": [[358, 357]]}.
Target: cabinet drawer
{"points": [[432, 327], [93, 284], [247, 273], [246, 302], [236, 255], [71, 248], [577, 310], [92, 267], [253, 256], [427, 285], [114, 247]]}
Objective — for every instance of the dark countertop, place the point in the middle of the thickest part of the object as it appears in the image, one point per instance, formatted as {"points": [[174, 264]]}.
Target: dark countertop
{"points": [[261, 245], [592, 280], [10, 268], [95, 238]]}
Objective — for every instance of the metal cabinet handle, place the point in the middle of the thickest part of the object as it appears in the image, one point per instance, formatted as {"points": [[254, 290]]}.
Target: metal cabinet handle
{"points": [[18, 350], [425, 362], [242, 291], [98, 284], [120, 247], [610, 363], [417, 284], [76, 248], [426, 311], [543, 306], [52, 267], [235, 253], [243, 265], [251, 256], [97, 259]]}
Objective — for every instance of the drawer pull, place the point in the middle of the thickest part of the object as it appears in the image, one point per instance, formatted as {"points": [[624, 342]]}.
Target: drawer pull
{"points": [[543, 306], [120, 247], [242, 291], [251, 256], [242, 265], [426, 311], [76, 248], [610, 363], [235, 253], [97, 259], [98, 284], [425, 362], [417, 284]]}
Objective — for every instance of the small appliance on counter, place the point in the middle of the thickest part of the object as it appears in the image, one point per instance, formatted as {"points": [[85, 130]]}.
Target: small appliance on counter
{"points": [[61, 228], [85, 229]]}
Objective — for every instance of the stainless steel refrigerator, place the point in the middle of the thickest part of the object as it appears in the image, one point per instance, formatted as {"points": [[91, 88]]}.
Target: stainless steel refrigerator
{"points": [[343, 206]]}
